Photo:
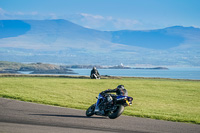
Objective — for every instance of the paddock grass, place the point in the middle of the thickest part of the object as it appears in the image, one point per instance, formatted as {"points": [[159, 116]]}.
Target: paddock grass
{"points": [[164, 99]]}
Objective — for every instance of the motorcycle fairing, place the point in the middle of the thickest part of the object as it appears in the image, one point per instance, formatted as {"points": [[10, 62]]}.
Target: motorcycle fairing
{"points": [[127, 100], [99, 98]]}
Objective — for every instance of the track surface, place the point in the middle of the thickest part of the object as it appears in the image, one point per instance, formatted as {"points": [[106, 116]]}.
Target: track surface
{"points": [[25, 117]]}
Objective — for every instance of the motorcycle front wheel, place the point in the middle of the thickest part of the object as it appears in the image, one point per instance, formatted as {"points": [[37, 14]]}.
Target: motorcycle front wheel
{"points": [[117, 112], [90, 110]]}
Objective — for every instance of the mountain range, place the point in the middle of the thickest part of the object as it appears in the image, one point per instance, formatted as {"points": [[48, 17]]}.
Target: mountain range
{"points": [[61, 41]]}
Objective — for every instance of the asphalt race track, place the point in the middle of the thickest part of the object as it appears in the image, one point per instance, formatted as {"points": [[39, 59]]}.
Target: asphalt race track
{"points": [[25, 117]]}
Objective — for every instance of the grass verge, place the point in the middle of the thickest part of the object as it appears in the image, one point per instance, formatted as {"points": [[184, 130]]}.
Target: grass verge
{"points": [[164, 99]]}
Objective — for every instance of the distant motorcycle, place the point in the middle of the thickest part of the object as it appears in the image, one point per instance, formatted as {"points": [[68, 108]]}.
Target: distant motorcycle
{"points": [[111, 106]]}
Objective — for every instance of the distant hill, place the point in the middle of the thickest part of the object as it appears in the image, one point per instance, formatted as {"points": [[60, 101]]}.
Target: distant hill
{"points": [[33, 68], [10, 28], [61, 41], [154, 39]]}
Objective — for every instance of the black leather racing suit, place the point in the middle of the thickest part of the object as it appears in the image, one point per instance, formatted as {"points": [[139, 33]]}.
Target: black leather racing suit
{"points": [[118, 91], [94, 71]]}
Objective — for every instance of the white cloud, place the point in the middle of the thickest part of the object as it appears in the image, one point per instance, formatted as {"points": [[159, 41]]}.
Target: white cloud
{"points": [[26, 15], [103, 22], [92, 21], [92, 16], [18, 13], [195, 26]]}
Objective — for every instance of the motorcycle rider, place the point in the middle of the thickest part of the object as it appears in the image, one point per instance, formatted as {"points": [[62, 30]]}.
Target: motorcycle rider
{"points": [[120, 91], [94, 73]]}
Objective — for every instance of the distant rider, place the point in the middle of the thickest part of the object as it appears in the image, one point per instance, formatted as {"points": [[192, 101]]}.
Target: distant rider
{"points": [[94, 73], [120, 91]]}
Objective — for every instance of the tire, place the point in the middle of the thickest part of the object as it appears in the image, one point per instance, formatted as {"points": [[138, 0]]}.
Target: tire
{"points": [[117, 112], [90, 110]]}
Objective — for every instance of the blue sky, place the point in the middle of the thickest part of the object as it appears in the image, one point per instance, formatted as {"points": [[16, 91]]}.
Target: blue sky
{"points": [[107, 14]]}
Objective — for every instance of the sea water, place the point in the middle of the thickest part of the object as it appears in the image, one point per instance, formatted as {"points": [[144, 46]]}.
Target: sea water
{"points": [[175, 73]]}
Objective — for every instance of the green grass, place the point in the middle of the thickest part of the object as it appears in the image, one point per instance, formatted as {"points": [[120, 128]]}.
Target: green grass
{"points": [[165, 99]]}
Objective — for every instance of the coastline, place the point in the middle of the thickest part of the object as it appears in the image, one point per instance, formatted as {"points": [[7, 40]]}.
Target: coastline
{"points": [[88, 77]]}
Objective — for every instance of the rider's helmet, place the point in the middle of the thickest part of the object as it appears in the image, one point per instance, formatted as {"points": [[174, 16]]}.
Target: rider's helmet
{"points": [[94, 68], [121, 90], [120, 87]]}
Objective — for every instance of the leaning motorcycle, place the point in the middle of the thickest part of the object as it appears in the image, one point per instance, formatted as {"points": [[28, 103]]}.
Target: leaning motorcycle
{"points": [[111, 106]]}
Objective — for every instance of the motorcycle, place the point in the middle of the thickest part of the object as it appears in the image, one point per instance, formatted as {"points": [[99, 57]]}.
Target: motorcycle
{"points": [[111, 106]]}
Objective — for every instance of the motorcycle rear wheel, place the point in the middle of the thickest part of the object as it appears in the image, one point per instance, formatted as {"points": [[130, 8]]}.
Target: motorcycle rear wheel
{"points": [[90, 110], [116, 113]]}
